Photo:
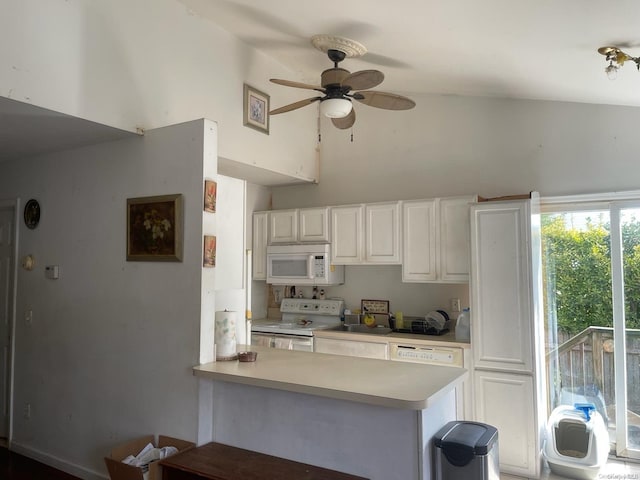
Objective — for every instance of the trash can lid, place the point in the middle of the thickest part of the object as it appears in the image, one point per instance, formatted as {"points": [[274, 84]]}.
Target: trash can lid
{"points": [[472, 437]]}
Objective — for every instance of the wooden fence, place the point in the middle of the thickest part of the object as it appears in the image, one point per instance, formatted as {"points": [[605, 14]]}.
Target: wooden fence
{"points": [[585, 362]]}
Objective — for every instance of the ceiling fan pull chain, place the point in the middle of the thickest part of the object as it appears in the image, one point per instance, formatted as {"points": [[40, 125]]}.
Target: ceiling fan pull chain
{"points": [[319, 134], [351, 135]]}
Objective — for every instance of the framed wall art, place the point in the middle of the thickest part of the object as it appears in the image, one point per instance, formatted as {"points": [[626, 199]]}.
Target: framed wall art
{"points": [[256, 109], [154, 228], [209, 254], [210, 192]]}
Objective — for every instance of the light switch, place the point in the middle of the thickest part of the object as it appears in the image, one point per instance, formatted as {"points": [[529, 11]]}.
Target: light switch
{"points": [[52, 272]]}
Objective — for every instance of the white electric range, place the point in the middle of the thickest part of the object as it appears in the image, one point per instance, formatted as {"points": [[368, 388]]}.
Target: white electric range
{"points": [[300, 317]]}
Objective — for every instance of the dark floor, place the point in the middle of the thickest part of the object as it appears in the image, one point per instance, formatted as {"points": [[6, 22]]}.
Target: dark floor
{"points": [[18, 467]]}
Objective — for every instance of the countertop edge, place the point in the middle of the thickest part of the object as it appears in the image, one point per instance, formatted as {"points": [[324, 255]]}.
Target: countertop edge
{"points": [[246, 375]]}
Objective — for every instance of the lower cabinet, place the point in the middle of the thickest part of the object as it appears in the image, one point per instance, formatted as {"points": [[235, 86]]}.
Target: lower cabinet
{"points": [[351, 348], [507, 401]]}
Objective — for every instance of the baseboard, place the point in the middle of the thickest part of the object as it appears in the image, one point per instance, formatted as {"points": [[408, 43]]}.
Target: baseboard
{"points": [[55, 462]]}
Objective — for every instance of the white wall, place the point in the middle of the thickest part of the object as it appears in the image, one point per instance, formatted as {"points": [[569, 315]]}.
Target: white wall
{"points": [[461, 145], [109, 353], [146, 64]]}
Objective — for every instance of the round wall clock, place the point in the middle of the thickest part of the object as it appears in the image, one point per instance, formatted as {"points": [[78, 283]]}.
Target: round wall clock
{"points": [[32, 214]]}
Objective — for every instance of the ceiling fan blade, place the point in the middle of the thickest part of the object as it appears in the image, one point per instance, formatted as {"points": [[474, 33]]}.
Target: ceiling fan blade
{"points": [[364, 79], [345, 122], [388, 101], [289, 83], [294, 106]]}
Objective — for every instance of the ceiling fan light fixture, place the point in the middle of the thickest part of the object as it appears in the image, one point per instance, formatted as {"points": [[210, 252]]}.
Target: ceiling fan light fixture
{"points": [[335, 107], [612, 71]]}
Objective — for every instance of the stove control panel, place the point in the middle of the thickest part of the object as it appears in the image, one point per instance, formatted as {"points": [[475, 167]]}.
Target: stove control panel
{"points": [[313, 307]]}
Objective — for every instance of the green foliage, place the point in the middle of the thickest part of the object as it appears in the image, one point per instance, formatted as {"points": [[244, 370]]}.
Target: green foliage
{"points": [[577, 272]]}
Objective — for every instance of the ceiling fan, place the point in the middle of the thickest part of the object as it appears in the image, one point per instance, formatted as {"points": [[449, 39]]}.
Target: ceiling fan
{"points": [[340, 87]]}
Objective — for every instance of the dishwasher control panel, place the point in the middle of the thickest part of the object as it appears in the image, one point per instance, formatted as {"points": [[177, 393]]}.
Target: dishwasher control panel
{"points": [[451, 356]]}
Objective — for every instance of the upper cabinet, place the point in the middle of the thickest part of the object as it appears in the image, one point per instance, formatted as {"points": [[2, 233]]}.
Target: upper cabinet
{"points": [[313, 225], [436, 240], [306, 225], [366, 234]]}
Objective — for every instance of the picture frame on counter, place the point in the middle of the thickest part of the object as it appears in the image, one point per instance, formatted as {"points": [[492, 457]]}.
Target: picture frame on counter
{"points": [[154, 228], [209, 251], [256, 109], [210, 193]]}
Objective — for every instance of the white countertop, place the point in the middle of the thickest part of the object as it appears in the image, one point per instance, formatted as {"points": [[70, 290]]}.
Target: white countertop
{"points": [[384, 383]]}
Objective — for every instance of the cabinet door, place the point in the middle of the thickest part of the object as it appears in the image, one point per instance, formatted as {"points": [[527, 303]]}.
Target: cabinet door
{"points": [[313, 225], [346, 235], [382, 233], [283, 226], [259, 248], [507, 401], [419, 241], [454, 239], [501, 312], [351, 348]]}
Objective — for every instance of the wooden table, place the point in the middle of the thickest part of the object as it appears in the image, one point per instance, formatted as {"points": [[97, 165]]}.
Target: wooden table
{"points": [[215, 461]]}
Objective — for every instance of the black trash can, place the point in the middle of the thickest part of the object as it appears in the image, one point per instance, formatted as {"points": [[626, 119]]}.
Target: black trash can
{"points": [[466, 451]]}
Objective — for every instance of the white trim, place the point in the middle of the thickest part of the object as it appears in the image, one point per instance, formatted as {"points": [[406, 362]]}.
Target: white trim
{"points": [[606, 197], [15, 205], [58, 463], [617, 282]]}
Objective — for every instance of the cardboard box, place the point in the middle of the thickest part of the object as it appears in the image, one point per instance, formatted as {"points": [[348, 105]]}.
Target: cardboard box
{"points": [[122, 471]]}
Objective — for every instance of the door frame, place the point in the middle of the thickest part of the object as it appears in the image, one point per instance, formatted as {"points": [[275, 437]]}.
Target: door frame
{"points": [[12, 205]]}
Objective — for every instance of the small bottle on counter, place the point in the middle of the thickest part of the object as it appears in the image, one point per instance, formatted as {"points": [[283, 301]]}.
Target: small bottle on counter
{"points": [[463, 326]]}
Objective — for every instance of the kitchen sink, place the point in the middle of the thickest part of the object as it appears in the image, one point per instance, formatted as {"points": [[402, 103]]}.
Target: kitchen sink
{"points": [[360, 328]]}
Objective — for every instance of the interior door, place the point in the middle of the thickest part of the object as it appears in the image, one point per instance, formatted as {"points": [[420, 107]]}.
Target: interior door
{"points": [[7, 256]]}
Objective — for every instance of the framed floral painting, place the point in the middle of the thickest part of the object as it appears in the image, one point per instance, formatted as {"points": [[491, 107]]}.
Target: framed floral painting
{"points": [[210, 191], [154, 228], [209, 254], [256, 109]]}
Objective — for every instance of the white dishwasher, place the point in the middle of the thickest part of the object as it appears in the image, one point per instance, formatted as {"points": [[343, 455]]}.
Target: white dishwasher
{"points": [[432, 355], [437, 355]]}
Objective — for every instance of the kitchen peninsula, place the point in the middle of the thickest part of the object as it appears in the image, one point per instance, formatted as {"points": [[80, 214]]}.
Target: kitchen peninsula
{"points": [[367, 417]]}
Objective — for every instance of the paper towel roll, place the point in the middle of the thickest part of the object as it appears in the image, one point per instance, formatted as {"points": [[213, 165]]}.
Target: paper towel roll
{"points": [[225, 335]]}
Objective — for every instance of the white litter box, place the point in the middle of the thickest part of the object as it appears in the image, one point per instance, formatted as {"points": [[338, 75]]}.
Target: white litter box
{"points": [[576, 442]]}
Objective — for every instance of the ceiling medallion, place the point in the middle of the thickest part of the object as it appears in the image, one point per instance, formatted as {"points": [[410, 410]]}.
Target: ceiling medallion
{"points": [[349, 47]]}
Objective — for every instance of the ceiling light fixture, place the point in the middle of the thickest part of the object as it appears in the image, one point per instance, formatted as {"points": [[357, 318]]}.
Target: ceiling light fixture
{"points": [[336, 107], [616, 59]]}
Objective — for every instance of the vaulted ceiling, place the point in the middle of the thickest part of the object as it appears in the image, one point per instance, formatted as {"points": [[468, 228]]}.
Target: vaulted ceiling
{"points": [[544, 50]]}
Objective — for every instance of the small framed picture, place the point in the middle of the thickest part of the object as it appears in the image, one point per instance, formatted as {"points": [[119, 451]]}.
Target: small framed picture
{"points": [[256, 109], [154, 228], [209, 253], [210, 191]]}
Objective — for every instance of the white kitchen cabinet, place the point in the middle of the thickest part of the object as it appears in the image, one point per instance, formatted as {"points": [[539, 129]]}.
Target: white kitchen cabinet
{"points": [[304, 225], [506, 329], [351, 348], [502, 309], [366, 234], [436, 241], [505, 400], [382, 233], [347, 230], [419, 241], [283, 226], [313, 225], [259, 245], [454, 240]]}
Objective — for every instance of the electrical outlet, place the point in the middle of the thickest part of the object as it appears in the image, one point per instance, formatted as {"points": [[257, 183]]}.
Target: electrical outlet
{"points": [[27, 411], [455, 304]]}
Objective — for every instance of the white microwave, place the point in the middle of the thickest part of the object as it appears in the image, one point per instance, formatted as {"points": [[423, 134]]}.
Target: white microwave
{"points": [[302, 265]]}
